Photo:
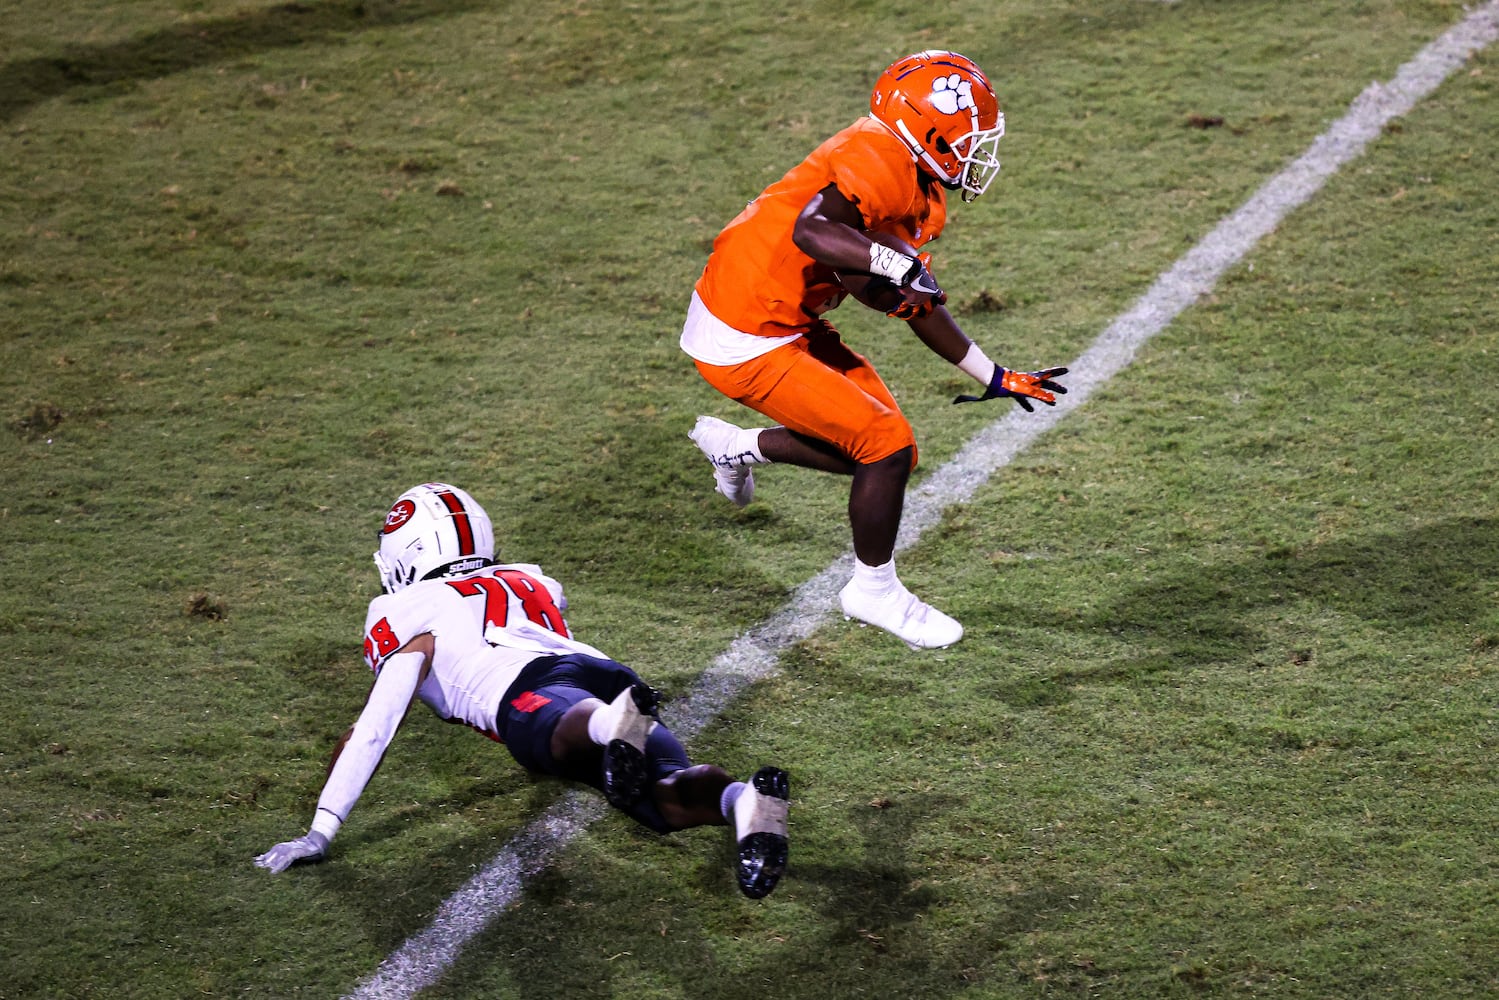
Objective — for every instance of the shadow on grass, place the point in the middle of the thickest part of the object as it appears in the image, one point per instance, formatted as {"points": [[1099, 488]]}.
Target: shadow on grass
{"points": [[866, 924], [25, 83], [1437, 575], [878, 929]]}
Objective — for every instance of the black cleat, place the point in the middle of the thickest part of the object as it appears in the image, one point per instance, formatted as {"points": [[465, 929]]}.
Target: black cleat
{"points": [[646, 698], [625, 774], [626, 770], [760, 825]]}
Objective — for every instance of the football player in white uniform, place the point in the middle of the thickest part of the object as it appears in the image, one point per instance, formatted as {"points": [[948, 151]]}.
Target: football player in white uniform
{"points": [[486, 645]]}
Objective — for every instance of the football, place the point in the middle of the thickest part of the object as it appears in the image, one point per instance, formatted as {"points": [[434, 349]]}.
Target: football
{"points": [[872, 290]]}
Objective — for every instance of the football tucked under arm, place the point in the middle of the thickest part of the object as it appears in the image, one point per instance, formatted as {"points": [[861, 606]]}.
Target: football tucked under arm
{"points": [[884, 293], [871, 290]]}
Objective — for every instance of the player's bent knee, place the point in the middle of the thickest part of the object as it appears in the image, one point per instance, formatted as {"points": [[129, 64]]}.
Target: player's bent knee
{"points": [[899, 462], [886, 437]]}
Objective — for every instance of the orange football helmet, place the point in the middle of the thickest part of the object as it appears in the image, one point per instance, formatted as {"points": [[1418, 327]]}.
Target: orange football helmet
{"points": [[941, 106]]}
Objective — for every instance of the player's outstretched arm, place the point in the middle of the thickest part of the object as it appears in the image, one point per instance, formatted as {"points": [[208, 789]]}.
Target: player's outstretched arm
{"points": [[940, 332], [355, 759]]}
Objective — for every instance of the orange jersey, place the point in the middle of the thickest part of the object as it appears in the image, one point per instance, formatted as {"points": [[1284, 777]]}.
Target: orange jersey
{"points": [[757, 280]]}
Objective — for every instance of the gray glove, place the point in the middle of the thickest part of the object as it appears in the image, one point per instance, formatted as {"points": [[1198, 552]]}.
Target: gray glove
{"points": [[309, 847]]}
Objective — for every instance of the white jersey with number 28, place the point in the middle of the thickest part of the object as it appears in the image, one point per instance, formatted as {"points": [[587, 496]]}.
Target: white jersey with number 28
{"points": [[485, 625]]}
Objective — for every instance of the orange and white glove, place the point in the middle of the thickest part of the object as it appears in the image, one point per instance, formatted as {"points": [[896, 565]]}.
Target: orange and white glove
{"points": [[1022, 387]]}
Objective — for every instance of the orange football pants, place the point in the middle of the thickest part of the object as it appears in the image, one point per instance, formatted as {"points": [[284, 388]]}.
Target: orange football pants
{"points": [[819, 387]]}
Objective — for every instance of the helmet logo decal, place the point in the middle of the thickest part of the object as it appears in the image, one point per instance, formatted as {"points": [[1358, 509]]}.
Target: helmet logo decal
{"points": [[399, 515], [952, 93], [465, 530]]}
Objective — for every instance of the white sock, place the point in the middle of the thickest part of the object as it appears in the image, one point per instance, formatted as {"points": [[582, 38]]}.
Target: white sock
{"points": [[601, 723], [730, 796], [877, 581], [613, 721], [747, 444]]}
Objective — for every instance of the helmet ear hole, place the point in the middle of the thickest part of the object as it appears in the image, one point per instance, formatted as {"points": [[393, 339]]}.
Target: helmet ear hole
{"points": [[942, 146]]}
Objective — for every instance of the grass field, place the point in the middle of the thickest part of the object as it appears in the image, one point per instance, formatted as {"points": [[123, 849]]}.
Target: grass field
{"points": [[1225, 719]]}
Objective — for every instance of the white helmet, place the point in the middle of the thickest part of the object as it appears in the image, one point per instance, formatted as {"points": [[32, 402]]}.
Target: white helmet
{"points": [[433, 530]]}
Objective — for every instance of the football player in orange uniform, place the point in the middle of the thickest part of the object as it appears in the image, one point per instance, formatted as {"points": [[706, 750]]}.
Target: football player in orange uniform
{"points": [[755, 326]]}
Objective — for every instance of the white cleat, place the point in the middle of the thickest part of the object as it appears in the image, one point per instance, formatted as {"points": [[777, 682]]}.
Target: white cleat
{"points": [[760, 832], [733, 478], [901, 614], [626, 770]]}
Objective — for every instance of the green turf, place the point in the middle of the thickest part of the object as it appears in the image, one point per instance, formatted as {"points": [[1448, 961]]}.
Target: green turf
{"points": [[1224, 721]]}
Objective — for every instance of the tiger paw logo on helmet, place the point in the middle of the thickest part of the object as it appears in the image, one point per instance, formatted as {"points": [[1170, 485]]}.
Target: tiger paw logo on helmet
{"points": [[951, 94], [942, 107]]}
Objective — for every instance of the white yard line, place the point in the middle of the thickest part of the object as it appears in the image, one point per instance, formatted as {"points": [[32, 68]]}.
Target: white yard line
{"points": [[422, 959]]}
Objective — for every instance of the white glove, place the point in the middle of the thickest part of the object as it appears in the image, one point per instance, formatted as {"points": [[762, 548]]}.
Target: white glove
{"points": [[309, 847]]}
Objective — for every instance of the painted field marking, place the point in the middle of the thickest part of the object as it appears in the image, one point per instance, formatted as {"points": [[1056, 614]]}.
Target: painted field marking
{"points": [[423, 958]]}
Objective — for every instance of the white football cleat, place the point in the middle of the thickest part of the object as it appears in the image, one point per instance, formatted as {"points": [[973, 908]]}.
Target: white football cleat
{"points": [[718, 440], [901, 614], [632, 716], [760, 832]]}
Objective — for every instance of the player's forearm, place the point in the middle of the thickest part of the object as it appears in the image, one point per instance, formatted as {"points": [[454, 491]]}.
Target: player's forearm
{"points": [[940, 332], [832, 243], [352, 770], [358, 754]]}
